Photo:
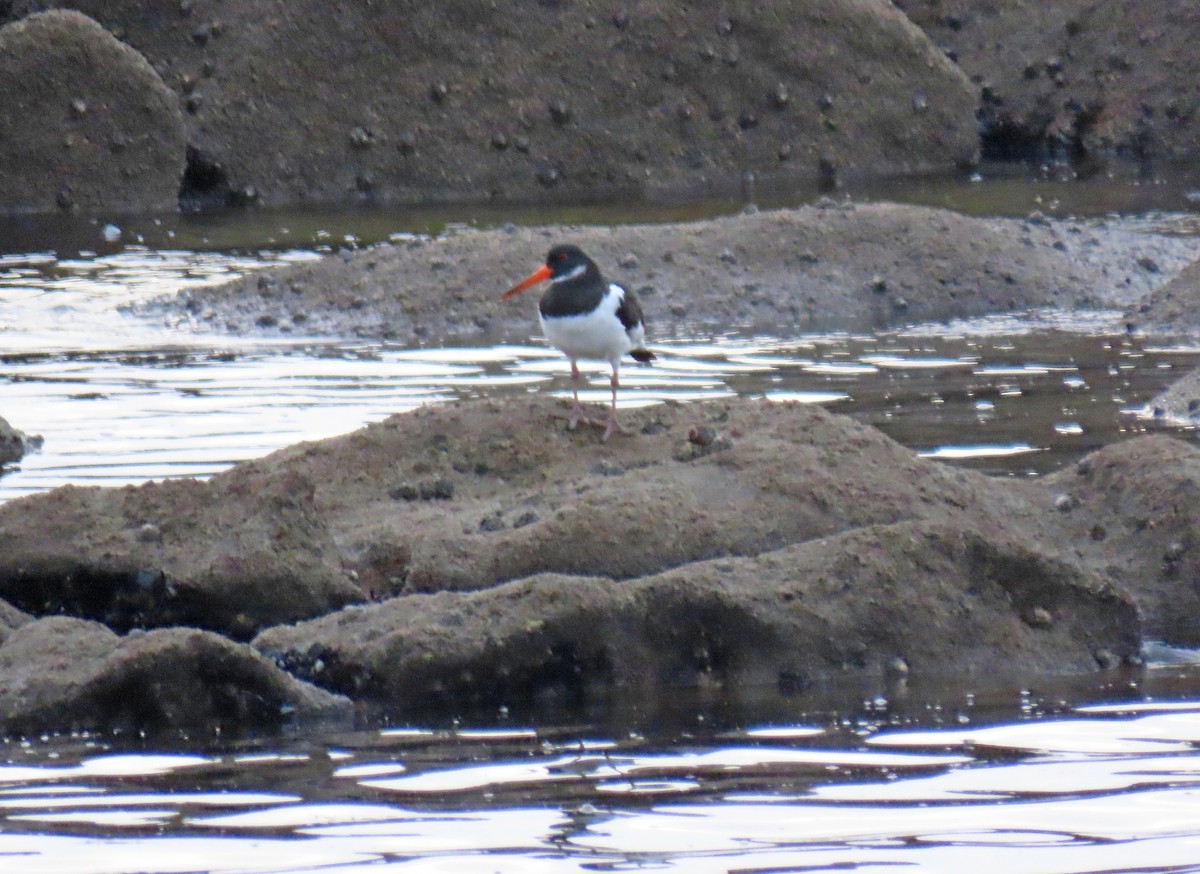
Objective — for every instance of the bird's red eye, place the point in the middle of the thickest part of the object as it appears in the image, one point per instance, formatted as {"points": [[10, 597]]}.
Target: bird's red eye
{"points": [[562, 256]]}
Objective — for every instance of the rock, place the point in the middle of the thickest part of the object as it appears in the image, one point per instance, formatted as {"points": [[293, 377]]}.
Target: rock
{"points": [[234, 554], [590, 100], [58, 157], [920, 594], [62, 673], [14, 444], [1143, 496], [11, 618], [314, 527], [1129, 69], [1173, 307]]}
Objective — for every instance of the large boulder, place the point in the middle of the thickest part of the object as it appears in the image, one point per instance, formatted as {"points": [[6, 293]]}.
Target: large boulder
{"points": [[1132, 511], [85, 122], [61, 673], [292, 101], [1080, 77], [829, 266], [930, 598]]}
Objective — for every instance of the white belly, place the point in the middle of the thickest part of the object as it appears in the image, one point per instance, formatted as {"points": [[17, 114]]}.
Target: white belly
{"points": [[598, 334]]}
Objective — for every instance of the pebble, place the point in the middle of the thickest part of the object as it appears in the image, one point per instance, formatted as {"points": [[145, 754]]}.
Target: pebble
{"points": [[494, 522], [1064, 503], [111, 233], [1038, 617], [560, 112], [604, 467], [629, 261], [438, 92]]}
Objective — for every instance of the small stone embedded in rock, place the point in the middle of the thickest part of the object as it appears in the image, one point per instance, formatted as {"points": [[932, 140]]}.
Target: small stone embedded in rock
{"points": [[404, 492], [436, 490], [494, 522], [361, 138], [526, 518], [879, 284], [1064, 503], [560, 112], [629, 261], [1148, 264], [439, 91], [604, 467], [1038, 617], [702, 435]]}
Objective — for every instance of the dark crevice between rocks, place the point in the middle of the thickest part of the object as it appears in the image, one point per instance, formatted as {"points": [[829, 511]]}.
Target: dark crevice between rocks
{"points": [[123, 599], [120, 598], [206, 185]]}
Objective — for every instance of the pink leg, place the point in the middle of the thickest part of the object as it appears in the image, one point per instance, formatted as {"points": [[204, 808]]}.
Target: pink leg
{"points": [[613, 425], [577, 413]]}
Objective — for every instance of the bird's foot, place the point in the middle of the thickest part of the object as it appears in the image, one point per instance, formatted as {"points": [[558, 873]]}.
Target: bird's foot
{"points": [[578, 415], [614, 427]]}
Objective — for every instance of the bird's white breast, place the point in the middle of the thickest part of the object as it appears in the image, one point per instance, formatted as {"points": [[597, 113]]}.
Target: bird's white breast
{"points": [[596, 334]]}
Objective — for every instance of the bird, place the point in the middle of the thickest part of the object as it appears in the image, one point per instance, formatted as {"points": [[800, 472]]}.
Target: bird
{"points": [[585, 316]]}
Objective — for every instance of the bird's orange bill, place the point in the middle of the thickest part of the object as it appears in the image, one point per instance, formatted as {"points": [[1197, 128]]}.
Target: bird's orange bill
{"points": [[540, 275]]}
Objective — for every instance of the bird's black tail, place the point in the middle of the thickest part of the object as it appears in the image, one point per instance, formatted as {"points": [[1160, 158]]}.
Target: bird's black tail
{"points": [[642, 355]]}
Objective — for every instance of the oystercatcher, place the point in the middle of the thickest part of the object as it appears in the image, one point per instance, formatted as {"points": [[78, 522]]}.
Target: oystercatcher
{"points": [[584, 316]]}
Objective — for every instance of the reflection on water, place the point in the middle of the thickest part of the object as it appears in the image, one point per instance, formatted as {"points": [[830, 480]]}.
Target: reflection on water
{"points": [[1095, 788]]}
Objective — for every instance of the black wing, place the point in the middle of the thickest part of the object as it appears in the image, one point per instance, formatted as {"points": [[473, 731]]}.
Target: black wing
{"points": [[630, 310]]}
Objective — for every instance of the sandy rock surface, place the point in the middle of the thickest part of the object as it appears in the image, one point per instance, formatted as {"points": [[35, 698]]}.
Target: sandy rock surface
{"points": [[874, 600], [293, 101], [828, 266], [497, 554], [86, 123], [1132, 510], [67, 673], [247, 553]]}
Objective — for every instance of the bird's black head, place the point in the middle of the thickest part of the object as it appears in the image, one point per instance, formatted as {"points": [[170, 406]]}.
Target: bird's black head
{"points": [[565, 259]]}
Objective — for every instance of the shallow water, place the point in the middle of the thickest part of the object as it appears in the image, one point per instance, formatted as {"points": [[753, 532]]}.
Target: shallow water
{"points": [[943, 786], [940, 777]]}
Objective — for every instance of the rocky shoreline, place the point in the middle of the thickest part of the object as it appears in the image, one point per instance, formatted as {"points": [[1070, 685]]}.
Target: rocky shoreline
{"points": [[480, 554]]}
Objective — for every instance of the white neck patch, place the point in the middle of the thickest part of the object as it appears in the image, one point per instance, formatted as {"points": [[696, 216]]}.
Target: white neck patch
{"points": [[578, 271]]}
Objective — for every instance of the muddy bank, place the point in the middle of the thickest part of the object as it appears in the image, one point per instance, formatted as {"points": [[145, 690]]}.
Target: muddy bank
{"points": [[822, 267], [479, 552]]}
